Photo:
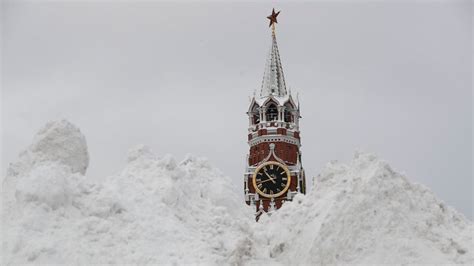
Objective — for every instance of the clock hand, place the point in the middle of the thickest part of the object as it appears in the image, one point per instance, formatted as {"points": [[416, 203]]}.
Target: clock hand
{"points": [[263, 181], [265, 171]]}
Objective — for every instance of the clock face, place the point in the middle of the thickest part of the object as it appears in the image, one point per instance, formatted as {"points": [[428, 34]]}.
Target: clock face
{"points": [[271, 179]]}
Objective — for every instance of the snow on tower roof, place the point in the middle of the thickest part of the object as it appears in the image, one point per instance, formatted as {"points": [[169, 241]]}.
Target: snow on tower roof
{"points": [[273, 79]]}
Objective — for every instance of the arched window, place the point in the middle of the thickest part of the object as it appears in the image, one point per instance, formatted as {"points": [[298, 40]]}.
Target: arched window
{"points": [[272, 112], [255, 115], [256, 118], [287, 115]]}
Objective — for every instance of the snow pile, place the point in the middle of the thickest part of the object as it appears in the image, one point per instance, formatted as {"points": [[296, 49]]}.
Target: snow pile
{"points": [[58, 145], [58, 141], [160, 211], [365, 213], [154, 211]]}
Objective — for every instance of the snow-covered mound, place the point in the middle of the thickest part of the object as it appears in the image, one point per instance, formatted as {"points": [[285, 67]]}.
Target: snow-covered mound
{"points": [[58, 141], [159, 211], [154, 211], [366, 213], [59, 145]]}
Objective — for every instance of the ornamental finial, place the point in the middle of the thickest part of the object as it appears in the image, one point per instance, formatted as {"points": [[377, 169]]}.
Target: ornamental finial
{"points": [[273, 20]]}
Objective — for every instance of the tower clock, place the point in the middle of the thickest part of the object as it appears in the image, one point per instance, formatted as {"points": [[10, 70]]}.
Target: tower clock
{"points": [[274, 172]]}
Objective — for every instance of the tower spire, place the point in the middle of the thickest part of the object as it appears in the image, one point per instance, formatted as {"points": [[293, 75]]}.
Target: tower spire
{"points": [[273, 80]]}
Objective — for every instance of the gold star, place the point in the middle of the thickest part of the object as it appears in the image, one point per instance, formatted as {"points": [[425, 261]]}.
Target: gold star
{"points": [[273, 17]]}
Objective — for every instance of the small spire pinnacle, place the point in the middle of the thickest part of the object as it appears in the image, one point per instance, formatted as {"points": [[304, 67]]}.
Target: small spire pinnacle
{"points": [[272, 206], [298, 99]]}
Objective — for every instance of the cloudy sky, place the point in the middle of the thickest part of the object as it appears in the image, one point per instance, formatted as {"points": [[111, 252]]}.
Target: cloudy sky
{"points": [[393, 78]]}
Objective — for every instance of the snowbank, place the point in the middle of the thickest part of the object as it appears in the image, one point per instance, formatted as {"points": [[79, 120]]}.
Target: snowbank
{"points": [[58, 141], [365, 213], [58, 150], [157, 210]]}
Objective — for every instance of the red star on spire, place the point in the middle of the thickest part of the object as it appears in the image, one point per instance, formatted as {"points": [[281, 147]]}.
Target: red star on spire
{"points": [[273, 17]]}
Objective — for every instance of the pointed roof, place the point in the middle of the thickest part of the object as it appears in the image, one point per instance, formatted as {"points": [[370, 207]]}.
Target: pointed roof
{"points": [[273, 79]]}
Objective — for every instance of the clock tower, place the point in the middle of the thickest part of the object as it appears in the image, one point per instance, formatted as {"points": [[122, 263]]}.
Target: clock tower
{"points": [[274, 173]]}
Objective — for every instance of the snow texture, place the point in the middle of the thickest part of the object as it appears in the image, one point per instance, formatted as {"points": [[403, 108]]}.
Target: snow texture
{"points": [[366, 213], [160, 211], [58, 141]]}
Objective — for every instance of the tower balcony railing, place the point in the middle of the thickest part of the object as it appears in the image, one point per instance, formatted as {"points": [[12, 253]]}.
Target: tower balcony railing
{"points": [[274, 131], [273, 124]]}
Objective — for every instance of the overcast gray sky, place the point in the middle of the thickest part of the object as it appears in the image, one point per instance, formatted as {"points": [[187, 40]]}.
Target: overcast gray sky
{"points": [[393, 78]]}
